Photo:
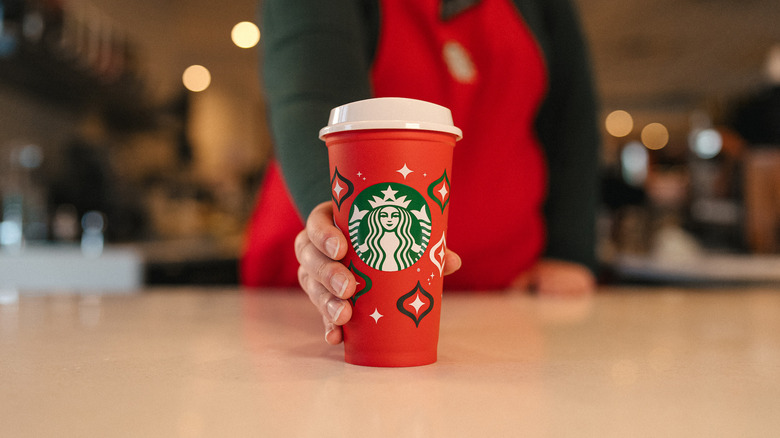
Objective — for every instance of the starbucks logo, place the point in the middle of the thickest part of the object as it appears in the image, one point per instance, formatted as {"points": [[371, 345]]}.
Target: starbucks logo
{"points": [[389, 226]]}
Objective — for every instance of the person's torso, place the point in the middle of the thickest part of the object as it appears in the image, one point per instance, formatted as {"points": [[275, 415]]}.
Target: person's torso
{"points": [[485, 65]]}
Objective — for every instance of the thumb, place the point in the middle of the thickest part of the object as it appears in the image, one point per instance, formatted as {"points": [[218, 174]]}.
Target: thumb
{"points": [[452, 262]]}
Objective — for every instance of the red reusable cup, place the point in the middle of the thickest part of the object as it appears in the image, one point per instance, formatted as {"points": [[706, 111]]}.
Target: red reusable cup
{"points": [[390, 170]]}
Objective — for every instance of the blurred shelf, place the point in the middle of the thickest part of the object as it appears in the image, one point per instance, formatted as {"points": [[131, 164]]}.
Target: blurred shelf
{"points": [[705, 269], [195, 261], [57, 77], [66, 268]]}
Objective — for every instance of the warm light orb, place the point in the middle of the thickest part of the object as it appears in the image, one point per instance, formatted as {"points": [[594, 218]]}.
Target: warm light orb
{"points": [[245, 35], [196, 78], [655, 136], [619, 123]]}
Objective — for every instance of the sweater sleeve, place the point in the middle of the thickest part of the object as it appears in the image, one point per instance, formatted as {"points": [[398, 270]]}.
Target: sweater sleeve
{"points": [[567, 128], [314, 59]]}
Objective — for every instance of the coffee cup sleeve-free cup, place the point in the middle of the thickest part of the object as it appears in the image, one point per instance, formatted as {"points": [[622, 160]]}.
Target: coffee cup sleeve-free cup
{"points": [[391, 167]]}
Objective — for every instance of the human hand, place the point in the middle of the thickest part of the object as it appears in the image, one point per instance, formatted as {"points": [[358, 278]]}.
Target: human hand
{"points": [[557, 278], [327, 282]]}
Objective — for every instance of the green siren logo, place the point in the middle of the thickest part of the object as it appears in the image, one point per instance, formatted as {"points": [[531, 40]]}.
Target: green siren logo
{"points": [[390, 226]]}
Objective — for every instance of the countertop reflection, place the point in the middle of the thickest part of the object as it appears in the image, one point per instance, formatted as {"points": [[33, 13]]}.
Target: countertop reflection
{"points": [[222, 362]]}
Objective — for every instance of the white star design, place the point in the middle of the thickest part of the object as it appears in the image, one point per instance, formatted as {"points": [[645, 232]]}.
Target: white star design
{"points": [[405, 171], [417, 303], [359, 174], [389, 193], [376, 315], [443, 191], [337, 189]]}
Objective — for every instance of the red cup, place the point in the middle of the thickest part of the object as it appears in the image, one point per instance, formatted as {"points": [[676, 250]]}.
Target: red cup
{"points": [[391, 167]]}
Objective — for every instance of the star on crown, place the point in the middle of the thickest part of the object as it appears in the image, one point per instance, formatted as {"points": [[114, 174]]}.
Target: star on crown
{"points": [[389, 199]]}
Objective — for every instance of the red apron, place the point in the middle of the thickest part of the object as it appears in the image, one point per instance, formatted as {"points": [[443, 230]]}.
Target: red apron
{"points": [[485, 66]]}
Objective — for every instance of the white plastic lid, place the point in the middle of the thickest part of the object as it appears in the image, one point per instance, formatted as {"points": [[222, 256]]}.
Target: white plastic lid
{"points": [[390, 113]]}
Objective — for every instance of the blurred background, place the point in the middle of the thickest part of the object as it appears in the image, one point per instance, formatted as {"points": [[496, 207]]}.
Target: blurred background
{"points": [[133, 139]]}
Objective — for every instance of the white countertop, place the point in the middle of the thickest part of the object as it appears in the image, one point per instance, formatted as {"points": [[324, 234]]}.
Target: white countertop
{"points": [[208, 362]]}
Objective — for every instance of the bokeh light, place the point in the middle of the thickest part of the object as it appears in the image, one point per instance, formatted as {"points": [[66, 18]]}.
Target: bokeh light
{"points": [[634, 163], [707, 143], [245, 34], [196, 78], [655, 136], [619, 123]]}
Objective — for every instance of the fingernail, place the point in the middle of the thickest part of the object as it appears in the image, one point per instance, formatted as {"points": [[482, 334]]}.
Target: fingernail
{"points": [[334, 309], [339, 284], [328, 329], [332, 247]]}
